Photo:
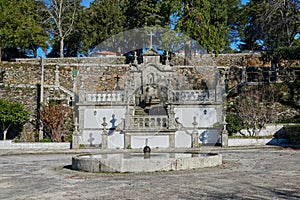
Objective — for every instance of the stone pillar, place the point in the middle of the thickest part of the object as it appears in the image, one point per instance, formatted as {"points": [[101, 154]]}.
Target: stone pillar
{"points": [[224, 137], [172, 140], [171, 117], [104, 134], [127, 141], [57, 76], [76, 136], [81, 118], [195, 142]]}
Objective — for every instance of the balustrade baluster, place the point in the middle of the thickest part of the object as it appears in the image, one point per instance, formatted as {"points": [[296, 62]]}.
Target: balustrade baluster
{"points": [[89, 97], [113, 97]]}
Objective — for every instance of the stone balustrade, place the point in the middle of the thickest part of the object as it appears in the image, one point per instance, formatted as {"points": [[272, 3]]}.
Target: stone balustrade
{"points": [[193, 95], [104, 97], [149, 122]]}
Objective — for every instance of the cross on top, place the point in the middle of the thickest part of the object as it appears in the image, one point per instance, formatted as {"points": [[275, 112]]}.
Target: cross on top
{"points": [[117, 78], [151, 34]]}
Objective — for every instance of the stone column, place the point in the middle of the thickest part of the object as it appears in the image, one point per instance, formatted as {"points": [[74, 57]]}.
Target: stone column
{"points": [[171, 117], [172, 140], [195, 142], [224, 137], [104, 134], [76, 136], [127, 141]]}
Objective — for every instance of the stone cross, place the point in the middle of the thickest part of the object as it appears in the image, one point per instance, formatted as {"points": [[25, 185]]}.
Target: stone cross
{"points": [[151, 34], [117, 78]]}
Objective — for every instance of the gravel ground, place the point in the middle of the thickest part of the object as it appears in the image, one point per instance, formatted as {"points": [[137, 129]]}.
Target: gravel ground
{"points": [[262, 173]]}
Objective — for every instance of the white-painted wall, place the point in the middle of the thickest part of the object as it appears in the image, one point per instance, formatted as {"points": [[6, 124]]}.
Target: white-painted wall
{"points": [[182, 139], [91, 137], [116, 140], [93, 119], [204, 119], [186, 116], [268, 130], [158, 141]]}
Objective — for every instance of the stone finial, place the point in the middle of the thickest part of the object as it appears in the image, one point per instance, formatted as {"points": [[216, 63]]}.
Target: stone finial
{"points": [[76, 125], [167, 59], [104, 124], [135, 58], [195, 123]]}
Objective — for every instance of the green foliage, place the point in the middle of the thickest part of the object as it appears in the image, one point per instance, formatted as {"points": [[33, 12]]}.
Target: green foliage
{"points": [[271, 25], [19, 28], [288, 53], [12, 114], [147, 13], [234, 123], [205, 21], [101, 21], [45, 140]]}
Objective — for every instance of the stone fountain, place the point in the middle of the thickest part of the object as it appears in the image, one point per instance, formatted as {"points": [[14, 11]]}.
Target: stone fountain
{"points": [[144, 162]]}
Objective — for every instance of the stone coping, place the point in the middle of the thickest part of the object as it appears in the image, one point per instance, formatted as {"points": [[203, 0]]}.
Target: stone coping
{"points": [[9, 144], [234, 142], [102, 162]]}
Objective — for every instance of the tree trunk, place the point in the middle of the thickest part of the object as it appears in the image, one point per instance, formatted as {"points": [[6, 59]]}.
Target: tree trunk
{"points": [[35, 53], [4, 134], [61, 47]]}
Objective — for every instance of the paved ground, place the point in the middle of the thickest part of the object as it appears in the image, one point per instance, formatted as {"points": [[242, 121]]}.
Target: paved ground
{"points": [[264, 173]]}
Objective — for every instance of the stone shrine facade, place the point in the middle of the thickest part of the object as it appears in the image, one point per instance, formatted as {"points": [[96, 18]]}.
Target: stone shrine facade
{"points": [[159, 104]]}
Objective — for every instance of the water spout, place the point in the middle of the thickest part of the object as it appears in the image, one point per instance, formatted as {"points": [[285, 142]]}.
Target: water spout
{"points": [[146, 150]]}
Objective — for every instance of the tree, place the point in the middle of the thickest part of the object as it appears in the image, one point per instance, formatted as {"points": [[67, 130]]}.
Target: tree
{"points": [[256, 106], [205, 21], [11, 113], [102, 20], [62, 15], [271, 25], [74, 43], [19, 30], [55, 118], [236, 20], [147, 13], [234, 123]]}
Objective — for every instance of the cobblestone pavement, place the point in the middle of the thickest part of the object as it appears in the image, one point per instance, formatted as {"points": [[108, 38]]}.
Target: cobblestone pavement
{"points": [[263, 173]]}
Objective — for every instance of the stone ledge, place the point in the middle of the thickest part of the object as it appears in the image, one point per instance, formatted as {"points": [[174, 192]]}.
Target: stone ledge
{"points": [[8, 144], [235, 142]]}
